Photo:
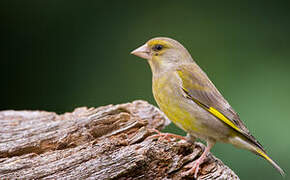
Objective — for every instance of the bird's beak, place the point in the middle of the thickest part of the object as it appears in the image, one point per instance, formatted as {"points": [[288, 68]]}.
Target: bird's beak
{"points": [[142, 52]]}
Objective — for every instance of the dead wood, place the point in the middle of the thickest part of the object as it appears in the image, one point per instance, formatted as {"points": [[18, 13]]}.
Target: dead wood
{"points": [[109, 142]]}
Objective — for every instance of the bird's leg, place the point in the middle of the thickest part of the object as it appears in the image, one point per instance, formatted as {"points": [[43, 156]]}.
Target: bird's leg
{"points": [[166, 136], [194, 166]]}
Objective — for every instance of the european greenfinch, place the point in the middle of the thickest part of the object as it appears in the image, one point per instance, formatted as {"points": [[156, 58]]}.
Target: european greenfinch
{"points": [[191, 101]]}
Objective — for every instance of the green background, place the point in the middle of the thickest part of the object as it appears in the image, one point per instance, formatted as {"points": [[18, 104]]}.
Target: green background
{"points": [[57, 55]]}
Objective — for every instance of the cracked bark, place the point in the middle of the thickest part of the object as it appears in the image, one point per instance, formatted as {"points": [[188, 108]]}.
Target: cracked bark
{"points": [[109, 142]]}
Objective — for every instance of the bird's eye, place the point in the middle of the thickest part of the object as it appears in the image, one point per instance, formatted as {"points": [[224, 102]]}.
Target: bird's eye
{"points": [[157, 47]]}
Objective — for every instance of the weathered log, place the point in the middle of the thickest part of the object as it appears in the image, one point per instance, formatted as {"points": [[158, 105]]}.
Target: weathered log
{"points": [[109, 142]]}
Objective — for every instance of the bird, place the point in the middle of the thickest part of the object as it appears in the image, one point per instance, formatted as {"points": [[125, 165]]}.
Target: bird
{"points": [[186, 95]]}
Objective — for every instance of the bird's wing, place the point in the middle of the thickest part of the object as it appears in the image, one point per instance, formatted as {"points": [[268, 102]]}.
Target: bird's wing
{"points": [[202, 91]]}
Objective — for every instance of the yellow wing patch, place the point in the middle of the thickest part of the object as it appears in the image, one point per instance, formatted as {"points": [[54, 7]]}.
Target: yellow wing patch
{"points": [[219, 115]]}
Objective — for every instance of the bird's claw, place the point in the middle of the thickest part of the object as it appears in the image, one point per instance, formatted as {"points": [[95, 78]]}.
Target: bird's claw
{"points": [[194, 168]]}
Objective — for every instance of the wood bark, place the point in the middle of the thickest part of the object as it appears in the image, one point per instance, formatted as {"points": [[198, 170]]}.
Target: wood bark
{"points": [[108, 142]]}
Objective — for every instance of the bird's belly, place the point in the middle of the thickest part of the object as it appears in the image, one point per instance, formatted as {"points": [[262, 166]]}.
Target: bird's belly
{"points": [[189, 116]]}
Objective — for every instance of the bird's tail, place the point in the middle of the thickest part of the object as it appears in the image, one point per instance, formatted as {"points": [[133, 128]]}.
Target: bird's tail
{"points": [[245, 143], [263, 154]]}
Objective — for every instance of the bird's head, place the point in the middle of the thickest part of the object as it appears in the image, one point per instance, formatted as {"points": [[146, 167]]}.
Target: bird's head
{"points": [[163, 53]]}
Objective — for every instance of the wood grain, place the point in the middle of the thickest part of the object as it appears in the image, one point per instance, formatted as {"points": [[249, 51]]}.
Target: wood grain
{"points": [[108, 142]]}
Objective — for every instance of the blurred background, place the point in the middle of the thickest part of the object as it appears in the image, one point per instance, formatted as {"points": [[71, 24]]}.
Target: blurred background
{"points": [[58, 55]]}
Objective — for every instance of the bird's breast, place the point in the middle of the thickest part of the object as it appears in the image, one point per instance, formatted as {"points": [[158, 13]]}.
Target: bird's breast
{"points": [[168, 95]]}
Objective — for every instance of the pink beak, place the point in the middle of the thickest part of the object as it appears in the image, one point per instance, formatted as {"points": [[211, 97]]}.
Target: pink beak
{"points": [[142, 52]]}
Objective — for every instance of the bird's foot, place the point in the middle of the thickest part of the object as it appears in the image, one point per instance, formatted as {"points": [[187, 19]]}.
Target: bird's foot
{"points": [[167, 136], [194, 168]]}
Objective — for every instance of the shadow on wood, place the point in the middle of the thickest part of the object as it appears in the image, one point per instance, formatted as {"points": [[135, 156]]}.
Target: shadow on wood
{"points": [[109, 142]]}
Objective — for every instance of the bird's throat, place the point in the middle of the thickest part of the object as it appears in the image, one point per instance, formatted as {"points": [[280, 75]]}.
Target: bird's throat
{"points": [[158, 67]]}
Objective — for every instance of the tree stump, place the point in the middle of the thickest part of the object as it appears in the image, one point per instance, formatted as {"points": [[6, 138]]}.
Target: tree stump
{"points": [[108, 142]]}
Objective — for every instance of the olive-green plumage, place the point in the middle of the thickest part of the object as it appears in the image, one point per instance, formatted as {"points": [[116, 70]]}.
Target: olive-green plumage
{"points": [[190, 100]]}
